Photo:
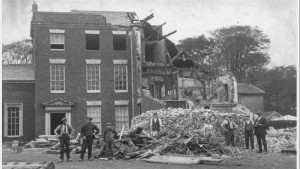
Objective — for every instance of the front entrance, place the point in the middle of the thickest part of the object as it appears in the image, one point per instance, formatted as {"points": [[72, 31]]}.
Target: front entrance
{"points": [[55, 120]]}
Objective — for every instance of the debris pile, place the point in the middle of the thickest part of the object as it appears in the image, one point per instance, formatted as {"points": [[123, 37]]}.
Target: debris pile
{"points": [[278, 140], [181, 134]]}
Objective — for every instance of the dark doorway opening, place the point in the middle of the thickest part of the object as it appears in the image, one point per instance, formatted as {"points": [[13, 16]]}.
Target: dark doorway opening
{"points": [[226, 92], [55, 119]]}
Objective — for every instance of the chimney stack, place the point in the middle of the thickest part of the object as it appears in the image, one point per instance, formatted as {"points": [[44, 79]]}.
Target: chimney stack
{"points": [[34, 7]]}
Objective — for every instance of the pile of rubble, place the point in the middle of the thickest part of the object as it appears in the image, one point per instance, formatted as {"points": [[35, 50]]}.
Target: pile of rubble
{"points": [[181, 134], [281, 139]]}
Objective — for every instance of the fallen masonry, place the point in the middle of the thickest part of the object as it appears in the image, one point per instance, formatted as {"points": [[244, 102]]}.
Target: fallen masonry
{"points": [[181, 135]]}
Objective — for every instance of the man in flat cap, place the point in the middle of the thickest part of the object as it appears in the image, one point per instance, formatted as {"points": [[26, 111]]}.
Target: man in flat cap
{"points": [[64, 131], [249, 129], [108, 137], [88, 132], [229, 126], [260, 125], [155, 124]]}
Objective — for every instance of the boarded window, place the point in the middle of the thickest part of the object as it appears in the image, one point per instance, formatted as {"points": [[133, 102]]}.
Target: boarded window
{"points": [[92, 41], [119, 42], [122, 118], [57, 41]]}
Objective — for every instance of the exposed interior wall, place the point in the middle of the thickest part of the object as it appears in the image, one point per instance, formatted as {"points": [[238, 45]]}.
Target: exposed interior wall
{"points": [[156, 52]]}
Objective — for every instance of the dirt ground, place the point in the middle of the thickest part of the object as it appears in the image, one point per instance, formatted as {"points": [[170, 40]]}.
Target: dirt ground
{"points": [[255, 161]]}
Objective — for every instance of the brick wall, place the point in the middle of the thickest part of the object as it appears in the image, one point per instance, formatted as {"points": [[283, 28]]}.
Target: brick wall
{"points": [[75, 73], [20, 93]]}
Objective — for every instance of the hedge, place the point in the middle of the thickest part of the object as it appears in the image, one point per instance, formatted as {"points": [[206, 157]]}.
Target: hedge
{"points": [[282, 124]]}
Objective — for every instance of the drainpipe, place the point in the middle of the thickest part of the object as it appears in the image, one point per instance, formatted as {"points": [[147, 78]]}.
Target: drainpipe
{"points": [[131, 61]]}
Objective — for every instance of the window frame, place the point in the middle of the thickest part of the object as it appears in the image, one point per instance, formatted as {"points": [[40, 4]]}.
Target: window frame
{"points": [[121, 91], [6, 106], [124, 104], [98, 104], [64, 69], [86, 79], [64, 41]]}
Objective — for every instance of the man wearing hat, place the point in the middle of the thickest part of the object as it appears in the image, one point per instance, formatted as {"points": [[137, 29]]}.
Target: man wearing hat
{"points": [[249, 128], [108, 137], [260, 125], [229, 126], [88, 132], [63, 132], [155, 124]]}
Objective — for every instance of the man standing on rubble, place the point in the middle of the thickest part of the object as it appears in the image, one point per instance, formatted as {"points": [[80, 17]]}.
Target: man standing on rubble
{"points": [[229, 126], [65, 131], [155, 124], [88, 132], [260, 126], [249, 129]]}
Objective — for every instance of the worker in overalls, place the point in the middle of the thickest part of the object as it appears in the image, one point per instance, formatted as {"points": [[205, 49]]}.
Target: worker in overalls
{"points": [[64, 131], [229, 126], [155, 124]]}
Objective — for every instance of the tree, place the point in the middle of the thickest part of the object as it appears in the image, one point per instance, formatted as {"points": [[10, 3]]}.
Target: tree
{"points": [[201, 49], [280, 85], [17, 52], [242, 49]]}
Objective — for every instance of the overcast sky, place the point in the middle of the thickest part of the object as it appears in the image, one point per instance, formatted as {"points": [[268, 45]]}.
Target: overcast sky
{"points": [[276, 18]]}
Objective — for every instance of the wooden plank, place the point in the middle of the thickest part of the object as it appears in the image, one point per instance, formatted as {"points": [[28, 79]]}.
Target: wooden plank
{"points": [[25, 165], [182, 160]]}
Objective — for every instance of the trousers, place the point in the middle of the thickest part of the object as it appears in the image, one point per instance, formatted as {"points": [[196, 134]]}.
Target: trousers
{"points": [[109, 151], [229, 137], [64, 146], [261, 138], [87, 143], [249, 136]]}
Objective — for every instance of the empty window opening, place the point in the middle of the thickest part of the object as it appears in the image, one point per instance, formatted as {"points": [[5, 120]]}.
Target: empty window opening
{"points": [[92, 41], [119, 42]]}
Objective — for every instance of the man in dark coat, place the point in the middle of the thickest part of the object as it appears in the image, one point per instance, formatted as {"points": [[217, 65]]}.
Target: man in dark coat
{"points": [[249, 129], [108, 136], [64, 131], [260, 126], [88, 132]]}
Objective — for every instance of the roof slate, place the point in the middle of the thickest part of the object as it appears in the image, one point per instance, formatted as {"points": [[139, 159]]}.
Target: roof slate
{"points": [[244, 88], [18, 72]]}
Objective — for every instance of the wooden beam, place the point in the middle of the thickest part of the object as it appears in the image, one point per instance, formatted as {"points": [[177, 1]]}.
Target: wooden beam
{"points": [[148, 18], [154, 31], [160, 25], [168, 34]]}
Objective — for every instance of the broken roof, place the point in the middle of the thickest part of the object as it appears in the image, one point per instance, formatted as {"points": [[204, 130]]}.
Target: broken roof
{"points": [[269, 115], [18, 72], [244, 88]]}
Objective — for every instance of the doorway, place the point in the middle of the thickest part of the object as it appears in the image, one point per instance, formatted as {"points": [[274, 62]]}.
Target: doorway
{"points": [[55, 120]]}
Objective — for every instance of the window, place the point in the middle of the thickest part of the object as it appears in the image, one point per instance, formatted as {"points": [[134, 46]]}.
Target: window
{"points": [[57, 41], [57, 78], [13, 122], [92, 39], [120, 76], [119, 42], [93, 78], [95, 113], [122, 118]]}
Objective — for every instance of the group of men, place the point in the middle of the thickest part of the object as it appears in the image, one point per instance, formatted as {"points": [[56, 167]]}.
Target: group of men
{"points": [[89, 130], [87, 133], [257, 127]]}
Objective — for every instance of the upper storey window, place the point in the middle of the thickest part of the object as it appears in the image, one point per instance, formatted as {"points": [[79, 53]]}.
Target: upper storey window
{"points": [[57, 39], [92, 39], [119, 40]]}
